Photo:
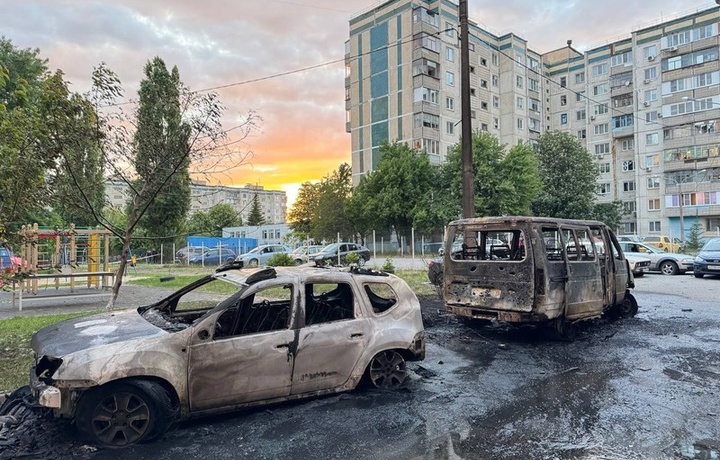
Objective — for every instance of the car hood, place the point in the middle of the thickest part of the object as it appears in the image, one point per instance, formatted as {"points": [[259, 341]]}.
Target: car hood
{"points": [[92, 331], [709, 254]]}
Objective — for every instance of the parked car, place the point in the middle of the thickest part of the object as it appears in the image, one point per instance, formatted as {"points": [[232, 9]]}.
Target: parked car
{"points": [[707, 261], [638, 264], [283, 334], [260, 255], [667, 263], [635, 238], [215, 256], [665, 243], [188, 252], [329, 254], [302, 254], [8, 262]]}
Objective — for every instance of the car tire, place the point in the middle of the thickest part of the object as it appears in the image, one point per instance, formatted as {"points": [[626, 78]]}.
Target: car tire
{"points": [[565, 330], [387, 370], [298, 261], [698, 275], [639, 274], [253, 263], [669, 268], [361, 262], [123, 413]]}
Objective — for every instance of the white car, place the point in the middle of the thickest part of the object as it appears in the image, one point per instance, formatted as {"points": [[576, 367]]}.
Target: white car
{"points": [[638, 264], [283, 334], [261, 254]]}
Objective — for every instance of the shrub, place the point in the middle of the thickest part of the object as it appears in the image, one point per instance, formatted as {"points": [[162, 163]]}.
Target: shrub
{"points": [[388, 266], [281, 260], [352, 258]]}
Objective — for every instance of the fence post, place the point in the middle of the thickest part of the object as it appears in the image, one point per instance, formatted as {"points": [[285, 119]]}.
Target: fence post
{"points": [[412, 243], [374, 246]]}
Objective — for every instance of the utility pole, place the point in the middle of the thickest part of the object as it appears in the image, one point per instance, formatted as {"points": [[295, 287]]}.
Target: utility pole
{"points": [[468, 199]]}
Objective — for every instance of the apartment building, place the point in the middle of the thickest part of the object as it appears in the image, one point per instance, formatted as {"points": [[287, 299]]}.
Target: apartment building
{"points": [[273, 203], [647, 106]]}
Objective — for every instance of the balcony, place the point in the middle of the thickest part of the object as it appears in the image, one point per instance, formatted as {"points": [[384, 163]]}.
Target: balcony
{"points": [[426, 107], [426, 81], [422, 26]]}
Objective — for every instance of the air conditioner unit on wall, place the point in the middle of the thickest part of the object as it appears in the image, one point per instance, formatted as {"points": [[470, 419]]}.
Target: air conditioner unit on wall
{"points": [[672, 49], [646, 104], [592, 117], [651, 58], [646, 81]]}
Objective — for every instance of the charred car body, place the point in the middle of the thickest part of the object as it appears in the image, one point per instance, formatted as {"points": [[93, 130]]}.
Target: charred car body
{"points": [[555, 271], [282, 334]]}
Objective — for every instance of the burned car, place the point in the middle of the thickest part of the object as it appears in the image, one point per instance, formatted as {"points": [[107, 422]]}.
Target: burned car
{"points": [[280, 334], [551, 271]]}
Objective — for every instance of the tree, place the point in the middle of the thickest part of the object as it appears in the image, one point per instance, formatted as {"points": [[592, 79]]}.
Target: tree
{"points": [[195, 139], [393, 194], [302, 212], [568, 174], [161, 142], [609, 213], [330, 213], [23, 157], [255, 217], [693, 240], [212, 222], [504, 183]]}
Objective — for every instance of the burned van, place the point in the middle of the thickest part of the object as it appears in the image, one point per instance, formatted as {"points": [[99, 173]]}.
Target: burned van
{"points": [[535, 270]]}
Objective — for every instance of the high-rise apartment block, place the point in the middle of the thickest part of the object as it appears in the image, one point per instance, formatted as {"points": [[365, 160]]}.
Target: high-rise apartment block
{"points": [[647, 107]]}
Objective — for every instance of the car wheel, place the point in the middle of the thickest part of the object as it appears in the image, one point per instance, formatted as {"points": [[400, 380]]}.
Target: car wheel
{"points": [[253, 263], [387, 370], [565, 330], [298, 261], [628, 307], [361, 261], [120, 414], [669, 268], [699, 275], [639, 274]]}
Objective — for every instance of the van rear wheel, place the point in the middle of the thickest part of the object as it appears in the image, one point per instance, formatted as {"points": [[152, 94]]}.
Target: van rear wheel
{"points": [[565, 330], [628, 307]]}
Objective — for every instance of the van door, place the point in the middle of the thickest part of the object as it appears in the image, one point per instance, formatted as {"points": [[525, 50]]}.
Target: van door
{"points": [[584, 288]]}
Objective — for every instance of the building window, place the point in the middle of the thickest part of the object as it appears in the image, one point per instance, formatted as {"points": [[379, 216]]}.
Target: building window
{"points": [[651, 95], [483, 105], [426, 95], [483, 127], [654, 226], [579, 96], [563, 100], [427, 120], [582, 134], [627, 144], [604, 168], [628, 165], [652, 161], [580, 115], [623, 121], [472, 92], [494, 80], [563, 118], [483, 62], [431, 146], [494, 58], [579, 78], [602, 148], [600, 69], [519, 81], [629, 186], [449, 127], [473, 114], [653, 182], [652, 139], [651, 117], [449, 103], [483, 83], [622, 59], [430, 42], [520, 102], [534, 105], [450, 54], [651, 73], [563, 82], [628, 207], [450, 78], [496, 123], [496, 102], [601, 109], [449, 30], [533, 85], [654, 204], [601, 89], [472, 70], [520, 124], [603, 128], [649, 52], [604, 188]]}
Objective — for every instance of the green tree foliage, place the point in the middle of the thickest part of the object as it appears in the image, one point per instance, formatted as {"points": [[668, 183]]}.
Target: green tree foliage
{"points": [[256, 217], [280, 259], [321, 210], [397, 191], [302, 213], [504, 183], [693, 242], [212, 222], [568, 174], [23, 156], [609, 213], [78, 181], [162, 144]]}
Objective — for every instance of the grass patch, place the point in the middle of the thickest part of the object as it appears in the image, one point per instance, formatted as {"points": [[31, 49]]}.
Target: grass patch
{"points": [[418, 281], [16, 356]]}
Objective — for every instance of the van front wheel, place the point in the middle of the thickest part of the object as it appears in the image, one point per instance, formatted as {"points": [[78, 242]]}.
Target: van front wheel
{"points": [[628, 307], [565, 330]]}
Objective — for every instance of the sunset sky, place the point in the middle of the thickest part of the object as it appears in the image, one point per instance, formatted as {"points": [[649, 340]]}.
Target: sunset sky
{"points": [[217, 43]]}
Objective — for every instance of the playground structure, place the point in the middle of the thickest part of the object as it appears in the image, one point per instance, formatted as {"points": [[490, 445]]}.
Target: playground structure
{"points": [[71, 254]]}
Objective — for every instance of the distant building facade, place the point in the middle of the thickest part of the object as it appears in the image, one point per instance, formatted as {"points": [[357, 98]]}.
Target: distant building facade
{"points": [[647, 107], [273, 203]]}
